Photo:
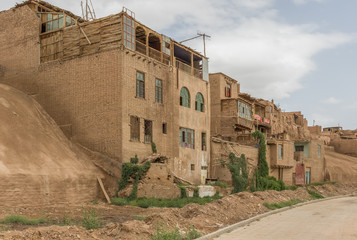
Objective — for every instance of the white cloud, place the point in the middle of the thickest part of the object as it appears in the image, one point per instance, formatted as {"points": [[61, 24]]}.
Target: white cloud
{"points": [[249, 42], [323, 120], [332, 100], [301, 2]]}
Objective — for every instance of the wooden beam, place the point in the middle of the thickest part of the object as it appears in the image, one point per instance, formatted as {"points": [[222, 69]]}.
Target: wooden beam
{"points": [[103, 189]]}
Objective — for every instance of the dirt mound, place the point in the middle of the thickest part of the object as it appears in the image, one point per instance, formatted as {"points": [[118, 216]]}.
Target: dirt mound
{"points": [[38, 165], [341, 168], [143, 221]]}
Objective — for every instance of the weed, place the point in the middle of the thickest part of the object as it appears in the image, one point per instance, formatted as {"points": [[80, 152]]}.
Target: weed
{"points": [[158, 202], [314, 195], [183, 192], [321, 183], [23, 220], [162, 234], [4, 228], [139, 218], [219, 184], [195, 193], [273, 206], [95, 202], [90, 219], [153, 147], [66, 220]]}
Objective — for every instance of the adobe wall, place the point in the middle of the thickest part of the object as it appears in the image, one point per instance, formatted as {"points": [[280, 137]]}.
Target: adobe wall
{"points": [[220, 150], [198, 121], [345, 146], [317, 164], [83, 95], [218, 83], [19, 47], [147, 109]]}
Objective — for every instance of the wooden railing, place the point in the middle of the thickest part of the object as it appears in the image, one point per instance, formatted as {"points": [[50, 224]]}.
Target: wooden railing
{"points": [[183, 66], [140, 47], [155, 54]]}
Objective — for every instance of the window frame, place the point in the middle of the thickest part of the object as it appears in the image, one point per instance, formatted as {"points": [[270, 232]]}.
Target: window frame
{"points": [[187, 138], [203, 141], [134, 133], [158, 91], [280, 151], [148, 134], [185, 101], [199, 102], [140, 83]]}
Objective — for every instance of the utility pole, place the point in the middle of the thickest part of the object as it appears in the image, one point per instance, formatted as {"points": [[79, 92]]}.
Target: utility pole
{"points": [[203, 35]]}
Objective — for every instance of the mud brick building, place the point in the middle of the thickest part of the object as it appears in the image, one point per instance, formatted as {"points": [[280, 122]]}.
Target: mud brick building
{"points": [[112, 84], [293, 155]]}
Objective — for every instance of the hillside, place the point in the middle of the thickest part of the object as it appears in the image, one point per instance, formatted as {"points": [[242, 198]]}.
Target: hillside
{"points": [[340, 167], [38, 165]]}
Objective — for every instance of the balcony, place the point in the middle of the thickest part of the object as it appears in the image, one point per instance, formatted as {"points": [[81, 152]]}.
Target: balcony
{"points": [[244, 124], [187, 68], [153, 53]]}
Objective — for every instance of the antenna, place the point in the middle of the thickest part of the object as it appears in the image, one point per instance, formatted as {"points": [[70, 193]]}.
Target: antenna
{"points": [[88, 12], [203, 35]]}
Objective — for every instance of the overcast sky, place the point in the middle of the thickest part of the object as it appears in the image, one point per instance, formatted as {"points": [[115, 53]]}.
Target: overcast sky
{"points": [[301, 53]]}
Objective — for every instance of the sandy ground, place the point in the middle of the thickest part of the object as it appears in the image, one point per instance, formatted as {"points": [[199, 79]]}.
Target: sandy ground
{"points": [[328, 220], [126, 222]]}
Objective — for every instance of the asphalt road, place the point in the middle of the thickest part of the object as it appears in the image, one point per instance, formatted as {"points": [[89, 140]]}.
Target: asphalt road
{"points": [[334, 219]]}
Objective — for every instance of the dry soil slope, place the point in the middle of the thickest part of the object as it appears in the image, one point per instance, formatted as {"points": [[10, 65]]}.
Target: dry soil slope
{"points": [[340, 167], [38, 165]]}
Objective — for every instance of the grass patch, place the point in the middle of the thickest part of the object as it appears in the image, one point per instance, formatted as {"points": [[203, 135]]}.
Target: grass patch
{"points": [[23, 220], [162, 234], [219, 184], [321, 183], [159, 202], [274, 206], [314, 195], [90, 219]]}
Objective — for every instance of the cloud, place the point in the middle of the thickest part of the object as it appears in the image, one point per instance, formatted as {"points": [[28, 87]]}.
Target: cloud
{"points": [[250, 42], [301, 2], [332, 100], [323, 120]]}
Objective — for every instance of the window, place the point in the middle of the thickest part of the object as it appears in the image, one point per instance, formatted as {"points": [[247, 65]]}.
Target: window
{"points": [[199, 103], [184, 97], [319, 151], [192, 167], [129, 33], [227, 90], [244, 110], [203, 138], [299, 148], [158, 91], [140, 84], [187, 138], [134, 128], [148, 131], [164, 128], [280, 151]]}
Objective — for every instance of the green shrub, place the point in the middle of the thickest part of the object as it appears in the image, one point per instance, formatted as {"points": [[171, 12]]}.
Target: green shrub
{"points": [[153, 147], [159, 202], [132, 170], [162, 234], [314, 195], [23, 220], [219, 184], [274, 206], [195, 193], [66, 221], [90, 219], [183, 192], [238, 168]]}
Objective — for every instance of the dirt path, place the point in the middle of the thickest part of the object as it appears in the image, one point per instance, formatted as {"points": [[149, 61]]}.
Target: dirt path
{"points": [[329, 220]]}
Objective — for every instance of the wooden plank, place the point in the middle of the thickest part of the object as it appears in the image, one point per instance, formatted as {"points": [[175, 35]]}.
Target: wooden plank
{"points": [[103, 189]]}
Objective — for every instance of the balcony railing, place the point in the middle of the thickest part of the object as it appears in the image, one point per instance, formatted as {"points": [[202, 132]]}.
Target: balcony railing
{"points": [[155, 54], [245, 122], [183, 66], [197, 73], [140, 47]]}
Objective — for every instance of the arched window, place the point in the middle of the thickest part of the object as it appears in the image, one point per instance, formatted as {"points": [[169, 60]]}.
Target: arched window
{"points": [[184, 97], [199, 102], [140, 43]]}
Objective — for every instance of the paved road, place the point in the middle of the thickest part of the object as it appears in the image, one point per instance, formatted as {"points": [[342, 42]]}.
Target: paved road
{"points": [[334, 219]]}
